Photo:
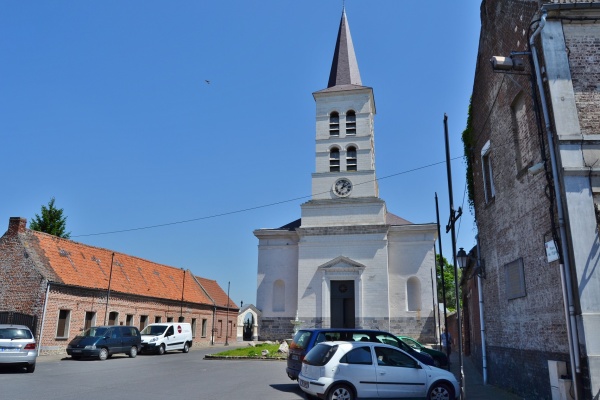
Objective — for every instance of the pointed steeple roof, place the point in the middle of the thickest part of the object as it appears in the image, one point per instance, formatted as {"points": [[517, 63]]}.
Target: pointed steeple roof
{"points": [[344, 68]]}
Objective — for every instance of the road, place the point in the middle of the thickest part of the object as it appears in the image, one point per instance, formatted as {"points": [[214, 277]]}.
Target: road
{"points": [[150, 377]]}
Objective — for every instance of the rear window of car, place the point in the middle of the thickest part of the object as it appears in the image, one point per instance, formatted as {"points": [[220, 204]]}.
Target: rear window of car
{"points": [[301, 340], [15, 333], [320, 355]]}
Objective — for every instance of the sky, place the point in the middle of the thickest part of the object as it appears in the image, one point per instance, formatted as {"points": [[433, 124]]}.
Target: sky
{"points": [[172, 130]]}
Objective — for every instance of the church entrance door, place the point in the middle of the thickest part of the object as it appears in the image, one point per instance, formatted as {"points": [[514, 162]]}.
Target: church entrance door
{"points": [[342, 304]]}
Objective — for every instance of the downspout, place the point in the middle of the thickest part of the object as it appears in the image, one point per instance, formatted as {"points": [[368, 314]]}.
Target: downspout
{"points": [[481, 319], [43, 319], [564, 255]]}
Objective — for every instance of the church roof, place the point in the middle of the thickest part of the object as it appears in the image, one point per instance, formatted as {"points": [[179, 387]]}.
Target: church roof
{"points": [[344, 68], [392, 219]]}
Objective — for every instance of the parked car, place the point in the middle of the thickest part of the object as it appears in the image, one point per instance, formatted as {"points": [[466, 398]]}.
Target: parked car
{"points": [[162, 337], [351, 370], [104, 341], [17, 346], [305, 339], [440, 358]]}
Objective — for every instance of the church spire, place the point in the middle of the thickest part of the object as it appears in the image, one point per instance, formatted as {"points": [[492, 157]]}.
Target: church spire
{"points": [[344, 68]]}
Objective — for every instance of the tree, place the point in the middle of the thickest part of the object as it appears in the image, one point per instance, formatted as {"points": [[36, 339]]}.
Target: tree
{"points": [[52, 221], [448, 271]]}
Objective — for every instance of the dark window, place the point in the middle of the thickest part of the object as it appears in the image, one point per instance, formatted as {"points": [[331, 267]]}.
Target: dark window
{"points": [[180, 319], [157, 319], [170, 331], [320, 354], [394, 358], [361, 355], [351, 162], [301, 340], [143, 322], [169, 319], [334, 160], [129, 320], [350, 123], [62, 330], [334, 124], [90, 316], [113, 318]]}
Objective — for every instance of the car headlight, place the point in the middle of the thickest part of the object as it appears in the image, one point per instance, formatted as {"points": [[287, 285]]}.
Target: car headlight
{"points": [[91, 347], [154, 339]]}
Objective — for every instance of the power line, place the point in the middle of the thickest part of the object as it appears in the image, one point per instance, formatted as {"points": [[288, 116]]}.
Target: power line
{"points": [[251, 208]]}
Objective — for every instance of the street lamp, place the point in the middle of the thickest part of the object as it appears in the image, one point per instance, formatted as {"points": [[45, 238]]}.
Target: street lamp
{"points": [[463, 259]]}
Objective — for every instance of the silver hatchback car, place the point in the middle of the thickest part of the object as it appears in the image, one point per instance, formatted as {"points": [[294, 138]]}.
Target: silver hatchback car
{"points": [[17, 346]]}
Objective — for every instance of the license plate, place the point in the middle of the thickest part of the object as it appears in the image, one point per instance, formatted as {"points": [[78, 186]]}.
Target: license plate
{"points": [[9, 349], [295, 357], [303, 383], [76, 351]]}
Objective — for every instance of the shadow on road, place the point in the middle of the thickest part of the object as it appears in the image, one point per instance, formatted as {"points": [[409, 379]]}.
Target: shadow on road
{"points": [[287, 388]]}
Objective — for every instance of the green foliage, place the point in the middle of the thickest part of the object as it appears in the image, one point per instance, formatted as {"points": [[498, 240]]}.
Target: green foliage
{"points": [[52, 221], [468, 143], [448, 271]]}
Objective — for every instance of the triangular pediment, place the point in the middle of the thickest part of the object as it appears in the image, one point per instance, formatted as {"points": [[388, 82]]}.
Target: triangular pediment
{"points": [[342, 263]]}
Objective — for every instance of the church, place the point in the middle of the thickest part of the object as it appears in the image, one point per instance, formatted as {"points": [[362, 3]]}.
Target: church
{"points": [[347, 262]]}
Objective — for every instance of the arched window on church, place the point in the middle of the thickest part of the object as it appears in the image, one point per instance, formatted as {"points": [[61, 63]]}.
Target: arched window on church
{"points": [[278, 295], [413, 294], [334, 124], [350, 122], [351, 164], [334, 160]]}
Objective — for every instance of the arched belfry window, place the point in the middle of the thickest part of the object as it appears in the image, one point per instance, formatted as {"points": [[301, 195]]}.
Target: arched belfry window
{"points": [[334, 124], [350, 122], [334, 160], [279, 295], [413, 294], [351, 164]]}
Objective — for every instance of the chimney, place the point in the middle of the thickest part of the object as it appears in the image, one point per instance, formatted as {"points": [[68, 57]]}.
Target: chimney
{"points": [[17, 225]]}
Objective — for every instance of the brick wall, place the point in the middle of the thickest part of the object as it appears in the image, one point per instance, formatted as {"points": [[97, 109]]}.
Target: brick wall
{"points": [[524, 332]]}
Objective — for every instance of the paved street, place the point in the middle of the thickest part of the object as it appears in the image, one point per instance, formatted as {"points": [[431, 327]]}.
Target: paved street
{"points": [[150, 377]]}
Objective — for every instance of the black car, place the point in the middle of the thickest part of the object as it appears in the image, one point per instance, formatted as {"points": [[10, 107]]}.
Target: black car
{"points": [[306, 339], [104, 341]]}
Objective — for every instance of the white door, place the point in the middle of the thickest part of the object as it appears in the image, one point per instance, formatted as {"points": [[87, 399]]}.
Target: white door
{"points": [[398, 374]]}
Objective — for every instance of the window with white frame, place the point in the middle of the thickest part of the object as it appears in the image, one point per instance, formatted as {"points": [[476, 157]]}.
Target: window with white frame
{"points": [[351, 162], [488, 176], [350, 122], [129, 320], [143, 322], [64, 319], [334, 124]]}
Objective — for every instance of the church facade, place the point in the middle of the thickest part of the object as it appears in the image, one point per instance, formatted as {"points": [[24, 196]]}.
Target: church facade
{"points": [[347, 262]]}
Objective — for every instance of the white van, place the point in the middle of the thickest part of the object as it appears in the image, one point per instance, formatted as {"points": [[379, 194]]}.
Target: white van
{"points": [[162, 337]]}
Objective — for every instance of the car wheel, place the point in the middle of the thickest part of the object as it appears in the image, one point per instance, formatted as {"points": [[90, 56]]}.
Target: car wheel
{"points": [[30, 368], [439, 391], [103, 355], [340, 392], [161, 350], [133, 352], [186, 348]]}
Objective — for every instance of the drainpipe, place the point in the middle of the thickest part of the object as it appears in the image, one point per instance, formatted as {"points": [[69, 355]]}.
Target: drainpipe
{"points": [[43, 319], [212, 331], [564, 255], [481, 320]]}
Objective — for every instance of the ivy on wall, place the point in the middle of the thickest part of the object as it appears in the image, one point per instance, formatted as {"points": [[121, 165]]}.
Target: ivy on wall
{"points": [[468, 142]]}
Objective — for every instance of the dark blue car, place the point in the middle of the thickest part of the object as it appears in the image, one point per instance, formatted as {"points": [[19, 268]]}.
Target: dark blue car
{"points": [[104, 341], [306, 339]]}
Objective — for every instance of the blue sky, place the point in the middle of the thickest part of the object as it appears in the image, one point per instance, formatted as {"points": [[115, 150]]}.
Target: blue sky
{"points": [[104, 105]]}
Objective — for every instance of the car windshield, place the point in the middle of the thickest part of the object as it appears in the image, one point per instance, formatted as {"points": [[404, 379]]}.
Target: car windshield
{"points": [[154, 330], [94, 331], [320, 354], [15, 333]]}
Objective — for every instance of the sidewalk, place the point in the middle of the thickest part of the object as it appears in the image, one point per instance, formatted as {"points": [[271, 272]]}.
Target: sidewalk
{"points": [[473, 384]]}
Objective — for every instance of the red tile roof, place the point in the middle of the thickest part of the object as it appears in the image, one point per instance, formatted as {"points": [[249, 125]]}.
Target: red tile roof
{"points": [[75, 264]]}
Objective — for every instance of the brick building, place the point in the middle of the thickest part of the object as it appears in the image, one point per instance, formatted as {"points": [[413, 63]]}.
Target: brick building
{"points": [[532, 143], [68, 286]]}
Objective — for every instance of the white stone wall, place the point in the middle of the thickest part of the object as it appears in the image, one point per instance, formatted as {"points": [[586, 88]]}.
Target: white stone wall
{"points": [[343, 213]]}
